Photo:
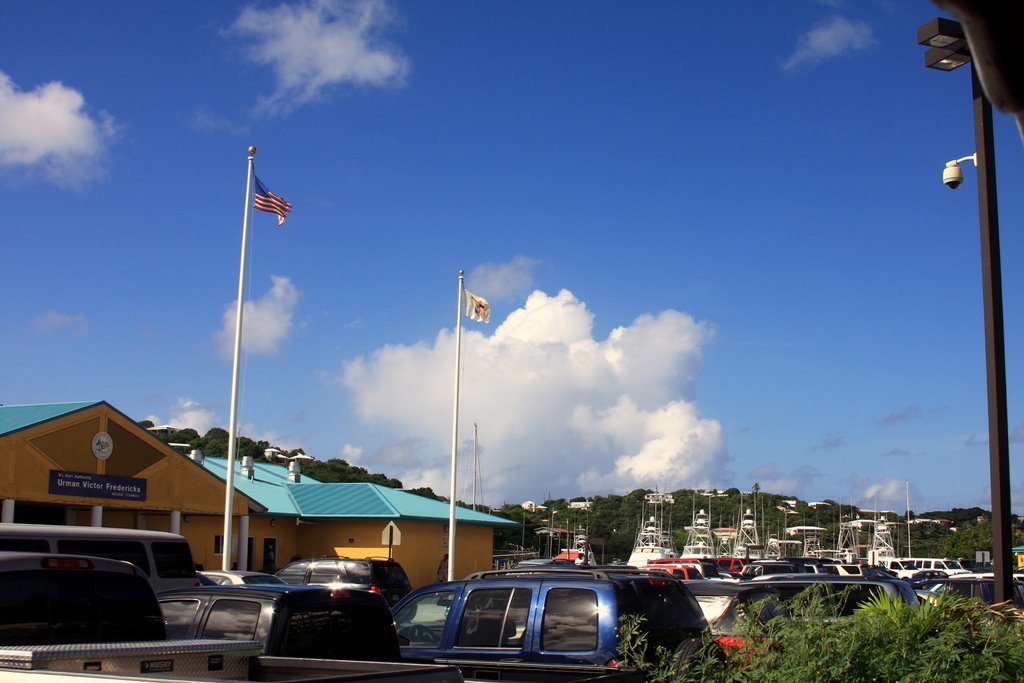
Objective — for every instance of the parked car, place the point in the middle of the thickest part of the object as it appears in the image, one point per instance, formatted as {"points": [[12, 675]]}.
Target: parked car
{"points": [[379, 575], [707, 568], [55, 599], [238, 578], [289, 621], [730, 564], [546, 616], [724, 605], [852, 590], [766, 567], [924, 577], [978, 587], [163, 557], [681, 571]]}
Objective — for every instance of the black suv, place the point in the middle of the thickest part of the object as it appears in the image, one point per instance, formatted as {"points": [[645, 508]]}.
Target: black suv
{"points": [[379, 575]]}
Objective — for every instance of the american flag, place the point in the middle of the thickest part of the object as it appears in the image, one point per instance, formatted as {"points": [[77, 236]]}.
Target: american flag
{"points": [[265, 200]]}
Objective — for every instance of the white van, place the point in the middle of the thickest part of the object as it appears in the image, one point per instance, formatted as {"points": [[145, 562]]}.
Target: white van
{"points": [[163, 557], [951, 567], [905, 567]]}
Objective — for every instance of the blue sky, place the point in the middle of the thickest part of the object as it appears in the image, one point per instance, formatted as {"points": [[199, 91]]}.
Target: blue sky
{"points": [[714, 238]]}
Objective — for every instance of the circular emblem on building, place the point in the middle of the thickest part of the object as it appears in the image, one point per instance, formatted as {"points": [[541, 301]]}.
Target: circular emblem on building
{"points": [[102, 445]]}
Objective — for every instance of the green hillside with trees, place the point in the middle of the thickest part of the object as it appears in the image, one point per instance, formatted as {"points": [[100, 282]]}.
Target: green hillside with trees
{"points": [[611, 522]]}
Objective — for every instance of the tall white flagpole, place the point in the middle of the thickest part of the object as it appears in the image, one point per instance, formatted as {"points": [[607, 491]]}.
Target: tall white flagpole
{"points": [[455, 431], [229, 481]]}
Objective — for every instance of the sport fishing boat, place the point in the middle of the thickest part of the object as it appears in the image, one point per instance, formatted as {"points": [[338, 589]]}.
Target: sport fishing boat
{"points": [[699, 539], [653, 540], [581, 553]]}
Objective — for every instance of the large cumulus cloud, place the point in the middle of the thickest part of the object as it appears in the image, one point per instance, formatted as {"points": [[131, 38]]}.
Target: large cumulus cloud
{"points": [[559, 411]]}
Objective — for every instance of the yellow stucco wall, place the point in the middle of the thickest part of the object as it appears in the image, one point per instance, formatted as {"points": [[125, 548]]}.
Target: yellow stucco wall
{"points": [[421, 551], [65, 443]]}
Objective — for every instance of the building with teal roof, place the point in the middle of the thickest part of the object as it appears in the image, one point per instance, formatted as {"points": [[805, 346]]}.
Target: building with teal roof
{"points": [[280, 512]]}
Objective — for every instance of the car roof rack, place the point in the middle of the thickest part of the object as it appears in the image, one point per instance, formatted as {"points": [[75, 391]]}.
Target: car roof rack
{"points": [[582, 570]]}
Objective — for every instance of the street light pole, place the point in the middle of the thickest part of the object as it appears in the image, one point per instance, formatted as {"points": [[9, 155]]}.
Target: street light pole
{"points": [[995, 351], [948, 51]]}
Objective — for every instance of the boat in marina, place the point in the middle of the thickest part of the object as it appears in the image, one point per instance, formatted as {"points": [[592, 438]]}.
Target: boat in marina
{"points": [[699, 541], [580, 552], [747, 543], [654, 538]]}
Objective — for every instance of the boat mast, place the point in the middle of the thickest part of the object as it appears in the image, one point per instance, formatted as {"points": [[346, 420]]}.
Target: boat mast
{"points": [[909, 553]]}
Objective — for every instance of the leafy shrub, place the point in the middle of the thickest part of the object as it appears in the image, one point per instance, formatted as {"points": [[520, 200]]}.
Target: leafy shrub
{"points": [[885, 640]]}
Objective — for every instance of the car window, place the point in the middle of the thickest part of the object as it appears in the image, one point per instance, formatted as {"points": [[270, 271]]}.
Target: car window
{"points": [[570, 620], [390, 574], [25, 545], [327, 572], [232, 620], [343, 632], [173, 560], [421, 620], [127, 608], [129, 551], [178, 616], [355, 571], [494, 617], [850, 597], [44, 607], [294, 573]]}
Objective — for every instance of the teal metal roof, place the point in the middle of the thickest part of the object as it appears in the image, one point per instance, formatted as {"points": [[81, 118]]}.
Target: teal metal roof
{"points": [[359, 500], [266, 487], [16, 418], [310, 498]]}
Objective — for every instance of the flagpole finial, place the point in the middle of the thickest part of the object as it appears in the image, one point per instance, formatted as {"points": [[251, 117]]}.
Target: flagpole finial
{"points": [[252, 150], [461, 272]]}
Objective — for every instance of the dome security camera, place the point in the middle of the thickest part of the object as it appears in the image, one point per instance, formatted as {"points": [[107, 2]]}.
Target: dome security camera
{"points": [[952, 176]]}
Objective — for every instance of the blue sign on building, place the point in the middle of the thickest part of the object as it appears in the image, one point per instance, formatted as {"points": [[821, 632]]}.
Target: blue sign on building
{"points": [[97, 485]]}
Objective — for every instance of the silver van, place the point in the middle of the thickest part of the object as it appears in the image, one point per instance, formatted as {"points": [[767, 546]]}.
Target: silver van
{"points": [[164, 558]]}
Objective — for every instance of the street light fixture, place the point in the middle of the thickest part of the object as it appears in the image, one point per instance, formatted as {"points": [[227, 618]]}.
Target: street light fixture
{"points": [[947, 50]]}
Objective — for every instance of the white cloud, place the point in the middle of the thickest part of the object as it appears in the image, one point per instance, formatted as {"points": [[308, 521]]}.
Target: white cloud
{"points": [[56, 322], [887, 494], [351, 454], [833, 38], [558, 411], [188, 413], [266, 322], [315, 45], [498, 281], [770, 479], [47, 131]]}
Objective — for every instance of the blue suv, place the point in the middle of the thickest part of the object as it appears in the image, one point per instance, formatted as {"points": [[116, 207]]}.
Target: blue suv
{"points": [[545, 616]]}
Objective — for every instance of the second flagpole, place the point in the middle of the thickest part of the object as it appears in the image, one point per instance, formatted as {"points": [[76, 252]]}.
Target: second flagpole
{"points": [[455, 432]]}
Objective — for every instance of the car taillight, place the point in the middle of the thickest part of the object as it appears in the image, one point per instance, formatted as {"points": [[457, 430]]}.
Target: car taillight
{"points": [[340, 593], [375, 589], [658, 582], [66, 563], [613, 663]]}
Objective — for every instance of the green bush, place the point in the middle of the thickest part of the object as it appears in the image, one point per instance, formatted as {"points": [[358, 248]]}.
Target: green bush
{"points": [[885, 640]]}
